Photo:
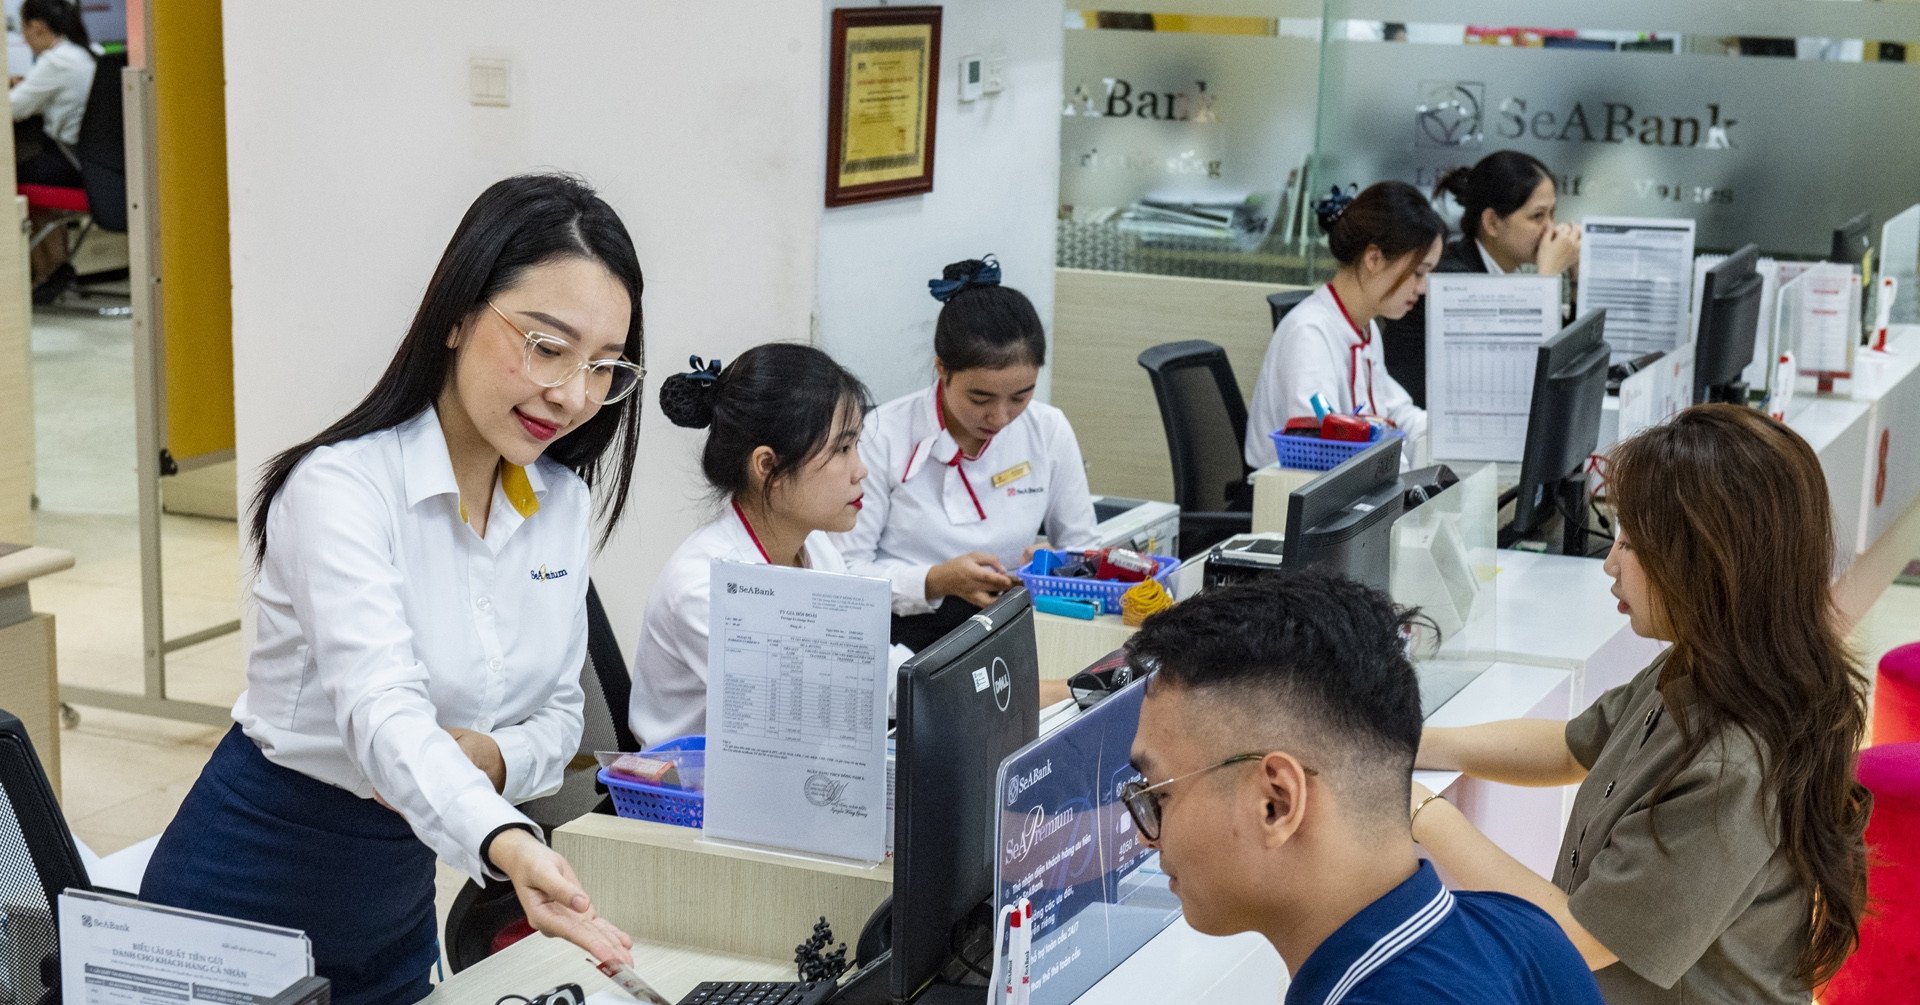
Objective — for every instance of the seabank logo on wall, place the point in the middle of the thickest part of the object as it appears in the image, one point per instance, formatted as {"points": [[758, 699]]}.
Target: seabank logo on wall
{"points": [[1454, 114]]}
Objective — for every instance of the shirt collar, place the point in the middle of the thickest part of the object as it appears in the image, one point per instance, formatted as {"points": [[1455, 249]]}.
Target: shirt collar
{"points": [[428, 467], [1493, 267], [1369, 939]]}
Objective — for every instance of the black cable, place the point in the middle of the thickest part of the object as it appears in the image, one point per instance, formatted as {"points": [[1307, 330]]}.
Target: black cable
{"points": [[953, 938]]}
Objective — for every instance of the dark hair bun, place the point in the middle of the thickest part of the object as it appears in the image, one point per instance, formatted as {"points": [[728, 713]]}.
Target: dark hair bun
{"points": [[958, 271], [1456, 182], [687, 401]]}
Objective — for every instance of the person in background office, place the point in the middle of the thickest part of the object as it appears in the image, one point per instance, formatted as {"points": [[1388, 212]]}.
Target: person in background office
{"points": [[1386, 240], [782, 450], [1276, 742], [48, 103], [1714, 852], [1506, 222], [411, 681], [962, 475]]}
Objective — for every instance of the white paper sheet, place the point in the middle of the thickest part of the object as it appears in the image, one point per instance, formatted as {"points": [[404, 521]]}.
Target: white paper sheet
{"points": [[119, 951], [796, 710], [1483, 339], [1641, 272]]}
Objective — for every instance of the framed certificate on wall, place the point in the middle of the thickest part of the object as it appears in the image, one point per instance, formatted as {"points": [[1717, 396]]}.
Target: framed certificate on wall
{"points": [[882, 90]]}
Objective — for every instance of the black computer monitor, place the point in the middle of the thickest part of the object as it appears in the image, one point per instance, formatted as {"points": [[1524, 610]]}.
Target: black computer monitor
{"points": [[1563, 427], [1344, 519], [1852, 241], [1853, 245], [964, 704], [1729, 324]]}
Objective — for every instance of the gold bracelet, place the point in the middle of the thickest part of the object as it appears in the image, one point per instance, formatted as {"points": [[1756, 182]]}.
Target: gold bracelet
{"points": [[1423, 805]]}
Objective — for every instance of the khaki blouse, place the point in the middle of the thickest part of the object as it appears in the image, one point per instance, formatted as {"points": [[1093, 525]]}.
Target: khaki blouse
{"points": [[1692, 891]]}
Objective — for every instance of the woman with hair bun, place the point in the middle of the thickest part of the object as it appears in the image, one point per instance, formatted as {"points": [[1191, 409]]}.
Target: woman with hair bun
{"points": [[1506, 224], [783, 431], [963, 474], [1386, 240]]}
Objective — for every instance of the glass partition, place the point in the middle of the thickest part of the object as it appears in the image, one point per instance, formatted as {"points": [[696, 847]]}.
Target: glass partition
{"points": [[1192, 141]]}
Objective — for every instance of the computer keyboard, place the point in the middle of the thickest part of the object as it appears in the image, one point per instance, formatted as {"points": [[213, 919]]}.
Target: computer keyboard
{"points": [[759, 993]]}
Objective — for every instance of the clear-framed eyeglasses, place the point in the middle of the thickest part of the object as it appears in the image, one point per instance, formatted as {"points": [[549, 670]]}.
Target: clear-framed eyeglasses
{"points": [[551, 361], [1143, 800]]}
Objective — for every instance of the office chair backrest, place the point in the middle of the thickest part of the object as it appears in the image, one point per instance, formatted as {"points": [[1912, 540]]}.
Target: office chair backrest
{"points": [[1278, 304], [102, 146], [615, 685], [37, 861], [1205, 420]]}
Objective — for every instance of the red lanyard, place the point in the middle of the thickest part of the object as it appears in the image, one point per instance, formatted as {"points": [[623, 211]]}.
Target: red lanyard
{"points": [[742, 514], [1354, 355]]}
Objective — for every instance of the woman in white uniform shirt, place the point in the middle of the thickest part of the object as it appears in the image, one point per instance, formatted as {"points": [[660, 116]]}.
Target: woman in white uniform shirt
{"points": [[55, 89], [783, 425], [1386, 240], [962, 475], [422, 618]]}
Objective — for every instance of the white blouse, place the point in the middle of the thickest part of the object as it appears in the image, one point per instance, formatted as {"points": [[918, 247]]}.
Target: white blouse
{"points": [[670, 667], [1317, 349], [927, 502], [384, 620]]}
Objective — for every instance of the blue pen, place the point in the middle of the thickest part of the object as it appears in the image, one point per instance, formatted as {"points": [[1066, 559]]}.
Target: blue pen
{"points": [[1321, 407]]}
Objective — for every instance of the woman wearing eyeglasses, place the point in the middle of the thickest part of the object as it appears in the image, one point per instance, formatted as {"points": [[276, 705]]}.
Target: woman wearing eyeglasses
{"points": [[422, 571]]}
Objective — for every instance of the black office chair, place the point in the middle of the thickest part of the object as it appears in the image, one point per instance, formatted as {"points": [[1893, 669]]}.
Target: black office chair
{"points": [[1278, 304], [37, 861], [1206, 422], [485, 920]]}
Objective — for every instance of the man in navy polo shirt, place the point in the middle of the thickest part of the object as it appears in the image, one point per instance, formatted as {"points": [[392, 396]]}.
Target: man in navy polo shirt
{"points": [[1277, 741]]}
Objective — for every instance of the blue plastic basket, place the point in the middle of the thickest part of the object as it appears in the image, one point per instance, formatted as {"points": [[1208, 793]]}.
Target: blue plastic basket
{"points": [[662, 804], [1039, 582], [1309, 453]]}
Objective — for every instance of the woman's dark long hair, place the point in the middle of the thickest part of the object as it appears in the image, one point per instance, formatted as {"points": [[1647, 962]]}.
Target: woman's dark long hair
{"points": [[515, 225], [1502, 181], [1728, 514], [62, 16]]}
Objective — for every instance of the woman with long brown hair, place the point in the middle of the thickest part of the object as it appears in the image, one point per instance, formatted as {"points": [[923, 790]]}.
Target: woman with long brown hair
{"points": [[1715, 848]]}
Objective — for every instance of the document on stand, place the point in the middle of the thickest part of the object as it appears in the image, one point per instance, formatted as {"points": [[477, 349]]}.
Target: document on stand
{"points": [[1640, 271], [1819, 319], [119, 951], [796, 710], [1483, 339]]}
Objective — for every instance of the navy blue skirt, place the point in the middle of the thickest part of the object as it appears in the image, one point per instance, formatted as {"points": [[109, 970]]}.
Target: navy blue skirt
{"points": [[265, 843]]}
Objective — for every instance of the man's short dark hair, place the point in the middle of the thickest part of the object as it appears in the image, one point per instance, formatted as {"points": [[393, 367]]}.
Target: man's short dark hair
{"points": [[1326, 652]]}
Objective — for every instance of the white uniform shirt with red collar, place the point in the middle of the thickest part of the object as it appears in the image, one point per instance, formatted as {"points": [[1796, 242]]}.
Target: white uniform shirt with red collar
{"points": [[670, 667], [1318, 349], [927, 502]]}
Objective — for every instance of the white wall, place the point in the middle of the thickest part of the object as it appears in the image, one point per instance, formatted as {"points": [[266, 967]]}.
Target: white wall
{"points": [[353, 152], [995, 188]]}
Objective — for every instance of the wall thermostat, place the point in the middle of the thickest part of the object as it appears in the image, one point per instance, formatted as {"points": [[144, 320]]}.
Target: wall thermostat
{"points": [[972, 77]]}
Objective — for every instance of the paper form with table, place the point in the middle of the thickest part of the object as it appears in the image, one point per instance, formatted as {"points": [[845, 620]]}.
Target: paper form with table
{"points": [[1483, 339], [1639, 271], [797, 710]]}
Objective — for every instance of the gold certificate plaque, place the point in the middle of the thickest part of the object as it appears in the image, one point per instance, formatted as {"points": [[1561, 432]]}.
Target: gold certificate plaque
{"points": [[883, 87]]}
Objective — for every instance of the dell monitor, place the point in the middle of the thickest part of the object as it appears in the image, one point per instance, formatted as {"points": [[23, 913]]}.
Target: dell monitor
{"points": [[964, 704], [1344, 518], [1729, 325], [1563, 427]]}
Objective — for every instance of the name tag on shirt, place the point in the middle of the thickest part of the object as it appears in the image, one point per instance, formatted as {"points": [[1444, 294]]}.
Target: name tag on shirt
{"points": [[1012, 474]]}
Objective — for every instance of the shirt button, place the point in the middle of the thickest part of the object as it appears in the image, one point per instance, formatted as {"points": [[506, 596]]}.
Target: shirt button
{"points": [[493, 664], [1609, 791], [484, 603], [1573, 860]]}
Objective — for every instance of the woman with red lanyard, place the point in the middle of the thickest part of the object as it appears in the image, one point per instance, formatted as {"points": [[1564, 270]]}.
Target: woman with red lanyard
{"points": [[783, 455], [1386, 240]]}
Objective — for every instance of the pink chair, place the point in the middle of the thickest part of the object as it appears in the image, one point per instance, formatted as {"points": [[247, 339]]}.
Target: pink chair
{"points": [[1896, 696], [1883, 968]]}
